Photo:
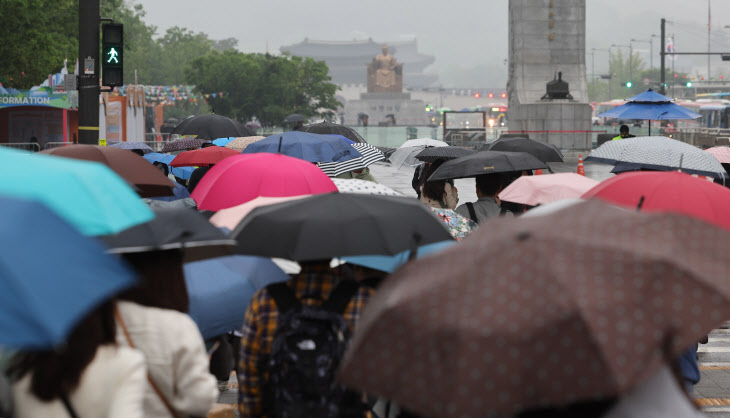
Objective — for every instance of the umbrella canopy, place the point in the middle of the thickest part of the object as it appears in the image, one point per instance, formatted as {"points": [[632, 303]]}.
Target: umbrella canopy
{"points": [[391, 263], [486, 162], [423, 142], [305, 146], [364, 187], [229, 218], [432, 154], [49, 275], [337, 225], [441, 340], [241, 178], [180, 172], [133, 145], [543, 152], [667, 192], [658, 153], [406, 154], [148, 180], [538, 190], [221, 288], [252, 125], [721, 153], [240, 144], [211, 127], [202, 157], [294, 117], [88, 195], [182, 144], [326, 128], [650, 106], [222, 142], [370, 155], [171, 229]]}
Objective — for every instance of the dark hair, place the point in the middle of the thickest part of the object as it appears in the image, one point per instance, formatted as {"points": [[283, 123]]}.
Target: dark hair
{"points": [[207, 144], [623, 128], [434, 189], [162, 167], [56, 373], [162, 280], [138, 152], [488, 184], [589, 409]]}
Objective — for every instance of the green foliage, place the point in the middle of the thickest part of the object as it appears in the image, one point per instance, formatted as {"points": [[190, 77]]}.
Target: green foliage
{"points": [[183, 108], [268, 87]]}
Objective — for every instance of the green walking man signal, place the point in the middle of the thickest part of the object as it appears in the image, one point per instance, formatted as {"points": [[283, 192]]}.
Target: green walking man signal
{"points": [[113, 56], [112, 52]]}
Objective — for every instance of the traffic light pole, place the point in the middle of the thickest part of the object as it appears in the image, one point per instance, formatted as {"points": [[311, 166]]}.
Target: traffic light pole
{"points": [[89, 71]]}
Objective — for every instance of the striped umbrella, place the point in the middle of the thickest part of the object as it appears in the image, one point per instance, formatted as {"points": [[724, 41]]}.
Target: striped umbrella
{"points": [[370, 155], [183, 144]]}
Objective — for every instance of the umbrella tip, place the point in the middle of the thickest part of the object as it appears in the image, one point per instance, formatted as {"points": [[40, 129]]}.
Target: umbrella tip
{"points": [[281, 138]]}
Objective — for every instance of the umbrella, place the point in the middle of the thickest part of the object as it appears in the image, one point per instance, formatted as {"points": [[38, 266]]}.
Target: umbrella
{"points": [[183, 144], [658, 153], [391, 263], [406, 154], [171, 229], [423, 142], [552, 207], [364, 187], [133, 145], [650, 106], [88, 195], [240, 144], [230, 217], [211, 127], [538, 190], [148, 180], [721, 153], [222, 142], [543, 152], [202, 157], [305, 146], [241, 178], [221, 288], [432, 154], [252, 125], [337, 225], [667, 192], [293, 118], [180, 172], [370, 155], [326, 128], [498, 323], [486, 162], [49, 275]]}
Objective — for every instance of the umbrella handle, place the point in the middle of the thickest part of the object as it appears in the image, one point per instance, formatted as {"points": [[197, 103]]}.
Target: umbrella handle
{"points": [[641, 203], [414, 248], [281, 138]]}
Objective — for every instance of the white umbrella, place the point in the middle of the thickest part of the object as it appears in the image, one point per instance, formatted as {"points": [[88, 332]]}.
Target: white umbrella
{"points": [[406, 154], [363, 187]]}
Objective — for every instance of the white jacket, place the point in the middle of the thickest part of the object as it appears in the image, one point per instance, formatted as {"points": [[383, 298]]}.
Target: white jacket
{"points": [[112, 385], [176, 359]]}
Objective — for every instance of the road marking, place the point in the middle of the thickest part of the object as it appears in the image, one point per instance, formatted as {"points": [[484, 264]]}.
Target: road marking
{"points": [[712, 401], [705, 367], [702, 349]]}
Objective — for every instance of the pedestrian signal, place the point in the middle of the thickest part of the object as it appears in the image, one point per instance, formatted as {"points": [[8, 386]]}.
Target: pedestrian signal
{"points": [[629, 84], [689, 84], [112, 54]]}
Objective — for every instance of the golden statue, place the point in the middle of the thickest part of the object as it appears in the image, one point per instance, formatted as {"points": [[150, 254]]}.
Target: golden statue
{"points": [[385, 74]]}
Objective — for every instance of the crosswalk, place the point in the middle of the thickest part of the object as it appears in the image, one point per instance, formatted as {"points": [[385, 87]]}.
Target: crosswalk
{"points": [[712, 394]]}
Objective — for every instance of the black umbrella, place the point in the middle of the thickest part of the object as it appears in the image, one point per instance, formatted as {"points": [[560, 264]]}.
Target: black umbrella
{"points": [[211, 127], [543, 152], [182, 229], [486, 162], [336, 225], [293, 118], [432, 154], [326, 128]]}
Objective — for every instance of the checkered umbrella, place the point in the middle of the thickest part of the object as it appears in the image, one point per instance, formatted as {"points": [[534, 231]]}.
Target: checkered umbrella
{"points": [[370, 155], [183, 145]]}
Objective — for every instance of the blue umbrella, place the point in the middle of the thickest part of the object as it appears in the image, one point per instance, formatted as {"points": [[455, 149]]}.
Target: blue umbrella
{"points": [[222, 142], [50, 275], [181, 172], [221, 288], [305, 146], [390, 263], [650, 106]]}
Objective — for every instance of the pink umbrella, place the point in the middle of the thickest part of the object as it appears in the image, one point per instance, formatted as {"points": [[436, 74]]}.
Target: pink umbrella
{"points": [[721, 153], [537, 190], [231, 217], [241, 178]]}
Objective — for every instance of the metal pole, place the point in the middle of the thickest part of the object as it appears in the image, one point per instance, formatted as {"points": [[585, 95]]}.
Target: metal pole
{"points": [[662, 58], [610, 74], [89, 80], [709, 27], [631, 58], [651, 54], [593, 69]]}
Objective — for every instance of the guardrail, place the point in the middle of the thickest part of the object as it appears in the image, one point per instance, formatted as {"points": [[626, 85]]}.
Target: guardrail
{"points": [[25, 146]]}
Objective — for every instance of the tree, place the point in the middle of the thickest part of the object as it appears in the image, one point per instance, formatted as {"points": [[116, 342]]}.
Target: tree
{"points": [[224, 44], [268, 87]]}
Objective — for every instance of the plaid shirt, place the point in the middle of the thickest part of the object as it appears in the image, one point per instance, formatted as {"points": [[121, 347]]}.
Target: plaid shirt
{"points": [[312, 286]]}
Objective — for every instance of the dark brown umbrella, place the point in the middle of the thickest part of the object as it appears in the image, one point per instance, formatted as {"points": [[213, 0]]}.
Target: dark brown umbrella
{"points": [[577, 305], [148, 180]]}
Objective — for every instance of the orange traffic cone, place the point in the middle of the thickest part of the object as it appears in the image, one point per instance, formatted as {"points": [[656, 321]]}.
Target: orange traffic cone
{"points": [[581, 170], [538, 172]]}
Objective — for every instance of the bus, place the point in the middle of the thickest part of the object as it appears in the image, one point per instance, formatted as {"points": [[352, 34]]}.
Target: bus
{"points": [[605, 107]]}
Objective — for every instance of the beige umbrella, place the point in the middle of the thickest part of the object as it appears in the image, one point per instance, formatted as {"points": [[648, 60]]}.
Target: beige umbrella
{"points": [[240, 143]]}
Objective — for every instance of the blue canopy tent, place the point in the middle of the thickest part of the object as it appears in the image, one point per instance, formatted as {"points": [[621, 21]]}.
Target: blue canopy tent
{"points": [[650, 106]]}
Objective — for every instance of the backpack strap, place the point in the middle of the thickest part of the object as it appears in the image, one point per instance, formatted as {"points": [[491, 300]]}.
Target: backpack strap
{"points": [[472, 213], [284, 296], [340, 296]]}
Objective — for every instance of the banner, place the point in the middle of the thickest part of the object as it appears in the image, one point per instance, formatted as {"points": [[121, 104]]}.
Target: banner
{"points": [[42, 96]]}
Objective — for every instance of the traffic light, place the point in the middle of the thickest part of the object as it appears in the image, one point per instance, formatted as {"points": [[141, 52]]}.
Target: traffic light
{"points": [[112, 54], [477, 95], [689, 84], [491, 95], [629, 84]]}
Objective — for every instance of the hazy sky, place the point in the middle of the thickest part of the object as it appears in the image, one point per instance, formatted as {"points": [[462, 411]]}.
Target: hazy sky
{"points": [[467, 37]]}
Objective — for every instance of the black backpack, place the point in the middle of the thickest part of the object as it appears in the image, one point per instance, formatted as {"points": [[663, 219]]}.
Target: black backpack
{"points": [[306, 350]]}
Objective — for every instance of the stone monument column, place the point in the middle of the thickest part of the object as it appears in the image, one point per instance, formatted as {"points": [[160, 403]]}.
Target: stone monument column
{"points": [[547, 37]]}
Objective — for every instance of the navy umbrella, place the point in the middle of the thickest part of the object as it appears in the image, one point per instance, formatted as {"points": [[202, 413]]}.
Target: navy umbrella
{"points": [[221, 288], [305, 146], [650, 106], [50, 275]]}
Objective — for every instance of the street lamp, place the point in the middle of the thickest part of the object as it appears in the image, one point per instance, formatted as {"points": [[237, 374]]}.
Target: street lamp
{"points": [[651, 50]]}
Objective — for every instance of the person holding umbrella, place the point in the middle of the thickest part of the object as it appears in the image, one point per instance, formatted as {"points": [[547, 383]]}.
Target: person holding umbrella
{"points": [[442, 197], [487, 205]]}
